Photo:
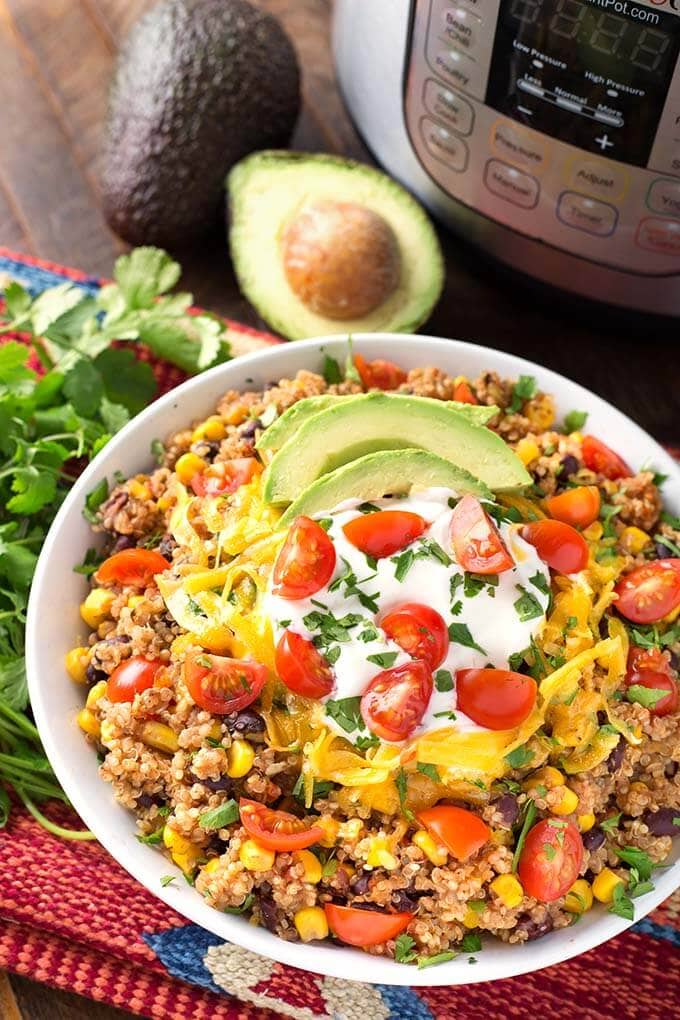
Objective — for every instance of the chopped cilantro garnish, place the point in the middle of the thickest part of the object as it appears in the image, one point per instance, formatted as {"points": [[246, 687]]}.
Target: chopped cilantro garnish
{"points": [[611, 823], [401, 783], [445, 715], [193, 607], [670, 519], [369, 633], [346, 712], [329, 867], [428, 770], [384, 659], [443, 680], [243, 907], [638, 859], [167, 879], [402, 564], [456, 608], [404, 949], [460, 633], [607, 513], [524, 389], [517, 659], [152, 838], [363, 743], [432, 961], [528, 821], [368, 508], [520, 757], [471, 942], [352, 587], [540, 581], [474, 583], [622, 905], [220, 817], [331, 370], [527, 605], [477, 906], [648, 697], [574, 421]]}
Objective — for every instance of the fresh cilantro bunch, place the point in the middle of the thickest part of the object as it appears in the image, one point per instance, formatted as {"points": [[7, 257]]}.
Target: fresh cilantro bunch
{"points": [[50, 424]]}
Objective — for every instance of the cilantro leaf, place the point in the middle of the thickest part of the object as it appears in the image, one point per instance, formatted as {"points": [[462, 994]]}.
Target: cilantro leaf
{"points": [[404, 949], [243, 907], [143, 274], [443, 680], [401, 783], [433, 961], [384, 659], [167, 879], [331, 370], [527, 822], [94, 500], [648, 697], [527, 605], [346, 712], [460, 633], [524, 389], [638, 859], [471, 942], [220, 817], [520, 757], [428, 770], [622, 905], [126, 380], [574, 421]]}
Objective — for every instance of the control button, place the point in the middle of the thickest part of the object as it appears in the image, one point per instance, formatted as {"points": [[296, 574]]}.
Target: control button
{"points": [[511, 184], [518, 146], [604, 142], [455, 66], [459, 26], [583, 213], [664, 197], [661, 236], [448, 106], [443, 145], [597, 178]]}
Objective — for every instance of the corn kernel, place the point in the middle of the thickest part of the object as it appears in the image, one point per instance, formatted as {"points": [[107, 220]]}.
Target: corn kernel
{"points": [[88, 722], [471, 919], [576, 436], [75, 666], [212, 429], [431, 847], [255, 857], [311, 924], [164, 502], [108, 732], [184, 853], [527, 450], [311, 864], [579, 898], [634, 540], [509, 890], [135, 600], [568, 803], [212, 865], [330, 828], [240, 758], [96, 693], [96, 607], [160, 736], [350, 830], [180, 645], [216, 731], [380, 855], [604, 885], [594, 532], [188, 465], [236, 414], [548, 776], [585, 822], [502, 837], [139, 490]]}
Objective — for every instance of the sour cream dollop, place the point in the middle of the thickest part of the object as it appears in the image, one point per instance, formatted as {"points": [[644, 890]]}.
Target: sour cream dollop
{"points": [[488, 621]]}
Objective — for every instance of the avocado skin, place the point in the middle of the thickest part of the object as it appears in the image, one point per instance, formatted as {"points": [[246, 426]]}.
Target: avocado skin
{"points": [[198, 85]]}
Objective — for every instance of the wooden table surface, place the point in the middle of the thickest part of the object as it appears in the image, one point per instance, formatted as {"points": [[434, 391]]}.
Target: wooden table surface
{"points": [[56, 59]]}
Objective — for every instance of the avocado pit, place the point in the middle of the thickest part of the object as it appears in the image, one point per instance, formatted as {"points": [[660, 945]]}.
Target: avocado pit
{"points": [[341, 259]]}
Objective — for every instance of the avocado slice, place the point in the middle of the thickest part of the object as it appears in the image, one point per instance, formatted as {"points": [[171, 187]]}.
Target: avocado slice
{"points": [[280, 430], [376, 421], [385, 472], [320, 242]]}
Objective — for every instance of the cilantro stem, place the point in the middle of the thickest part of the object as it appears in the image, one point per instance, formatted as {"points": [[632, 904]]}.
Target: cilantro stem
{"points": [[56, 830]]}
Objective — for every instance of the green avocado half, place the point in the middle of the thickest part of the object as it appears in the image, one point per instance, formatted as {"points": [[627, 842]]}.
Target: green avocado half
{"points": [[386, 472]]}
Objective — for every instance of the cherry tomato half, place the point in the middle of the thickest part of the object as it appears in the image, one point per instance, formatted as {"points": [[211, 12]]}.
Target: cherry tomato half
{"points": [[277, 830], [306, 561], [136, 567], [599, 458], [133, 676], [558, 544], [658, 682], [461, 831], [419, 630], [496, 698], [579, 506], [649, 592], [641, 660], [462, 392], [384, 532], [476, 540], [364, 927], [302, 667], [395, 701], [379, 374], [551, 859], [221, 685], [225, 476]]}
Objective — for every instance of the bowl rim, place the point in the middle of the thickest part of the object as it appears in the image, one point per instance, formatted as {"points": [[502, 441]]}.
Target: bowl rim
{"points": [[337, 962]]}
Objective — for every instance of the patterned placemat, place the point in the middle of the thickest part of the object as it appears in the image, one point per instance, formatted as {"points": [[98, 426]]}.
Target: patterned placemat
{"points": [[72, 918]]}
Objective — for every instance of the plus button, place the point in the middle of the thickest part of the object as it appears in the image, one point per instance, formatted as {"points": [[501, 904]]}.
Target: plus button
{"points": [[604, 142]]}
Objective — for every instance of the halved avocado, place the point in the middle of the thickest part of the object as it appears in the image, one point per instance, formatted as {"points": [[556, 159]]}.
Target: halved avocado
{"points": [[386, 472], [281, 430], [322, 244], [377, 421]]}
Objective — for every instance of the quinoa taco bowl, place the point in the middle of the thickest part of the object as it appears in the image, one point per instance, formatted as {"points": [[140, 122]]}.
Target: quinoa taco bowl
{"points": [[347, 649]]}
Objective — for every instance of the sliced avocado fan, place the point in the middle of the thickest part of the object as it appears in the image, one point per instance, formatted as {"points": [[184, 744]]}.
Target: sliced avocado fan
{"points": [[281, 430], [386, 472], [375, 421]]}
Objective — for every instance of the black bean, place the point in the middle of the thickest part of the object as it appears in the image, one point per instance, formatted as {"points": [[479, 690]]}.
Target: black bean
{"points": [[660, 551], [664, 821], [209, 449], [670, 769], [508, 808], [223, 783], [534, 929], [265, 889], [123, 542], [402, 902], [245, 721], [593, 839], [368, 906], [615, 759], [166, 546], [569, 466], [675, 661], [601, 718], [268, 911], [250, 428], [145, 800], [94, 675], [361, 884]]}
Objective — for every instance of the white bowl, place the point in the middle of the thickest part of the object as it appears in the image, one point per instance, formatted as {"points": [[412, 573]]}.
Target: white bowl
{"points": [[54, 626]]}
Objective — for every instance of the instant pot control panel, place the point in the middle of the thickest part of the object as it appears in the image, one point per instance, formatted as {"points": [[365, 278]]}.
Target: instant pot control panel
{"points": [[557, 118]]}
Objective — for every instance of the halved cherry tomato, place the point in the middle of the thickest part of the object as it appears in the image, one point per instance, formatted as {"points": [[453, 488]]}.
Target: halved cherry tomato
{"points": [[277, 830], [641, 660], [462, 392], [396, 699], [496, 698], [364, 927], [136, 567], [476, 540], [221, 685], [599, 458], [658, 682], [558, 544], [579, 506], [302, 668], [225, 476], [306, 561], [461, 831], [649, 592], [384, 532], [419, 630], [551, 859], [379, 374], [133, 676]]}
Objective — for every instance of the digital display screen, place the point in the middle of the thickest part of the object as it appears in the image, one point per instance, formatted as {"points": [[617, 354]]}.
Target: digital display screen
{"points": [[593, 73]]}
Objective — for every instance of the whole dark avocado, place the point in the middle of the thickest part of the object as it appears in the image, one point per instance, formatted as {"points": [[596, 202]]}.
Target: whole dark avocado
{"points": [[198, 85]]}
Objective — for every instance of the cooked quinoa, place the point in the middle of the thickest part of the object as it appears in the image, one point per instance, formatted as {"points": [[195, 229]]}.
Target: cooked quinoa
{"points": [[183, 770]]}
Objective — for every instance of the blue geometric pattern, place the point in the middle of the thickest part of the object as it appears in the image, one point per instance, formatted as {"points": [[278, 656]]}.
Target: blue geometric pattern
{"points": [[35, 279], [657, 931]]}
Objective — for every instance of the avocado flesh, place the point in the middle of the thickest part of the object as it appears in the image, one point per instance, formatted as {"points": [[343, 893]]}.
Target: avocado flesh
{"points": [[266, 191], [392, 472], [376, 421], [281, 430]]}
